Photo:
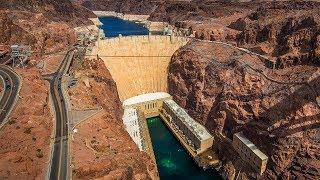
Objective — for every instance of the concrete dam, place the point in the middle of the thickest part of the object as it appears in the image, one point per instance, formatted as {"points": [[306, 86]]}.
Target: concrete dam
{"points": [[138, 64]]}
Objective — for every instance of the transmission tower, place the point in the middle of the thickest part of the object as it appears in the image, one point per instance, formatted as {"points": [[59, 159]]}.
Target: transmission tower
{"points": [[20, 54]]}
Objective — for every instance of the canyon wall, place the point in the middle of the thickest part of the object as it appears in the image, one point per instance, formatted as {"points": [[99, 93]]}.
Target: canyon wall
{"points": [[288, 31], [229, 91], [123, 6], [102, 148]]}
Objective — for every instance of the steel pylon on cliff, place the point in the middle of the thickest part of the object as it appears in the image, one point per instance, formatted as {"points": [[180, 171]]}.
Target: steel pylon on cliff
{"points": [[20, 54]]}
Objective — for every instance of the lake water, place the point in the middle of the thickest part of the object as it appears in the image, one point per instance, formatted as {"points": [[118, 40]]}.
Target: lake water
{"points": [[114, 26]]}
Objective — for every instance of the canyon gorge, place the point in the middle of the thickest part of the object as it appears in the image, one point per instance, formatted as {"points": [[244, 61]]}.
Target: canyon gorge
{"points": [[213, 77]]}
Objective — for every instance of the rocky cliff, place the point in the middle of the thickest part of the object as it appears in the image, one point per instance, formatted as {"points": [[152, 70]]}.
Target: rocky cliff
{"points": [[47, 26], [229, 91], [101, 147], [54, 10], [287, 31]]}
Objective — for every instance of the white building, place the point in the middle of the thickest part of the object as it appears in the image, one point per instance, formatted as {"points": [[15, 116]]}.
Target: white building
{"points": [[196, 134], [131, 123]]}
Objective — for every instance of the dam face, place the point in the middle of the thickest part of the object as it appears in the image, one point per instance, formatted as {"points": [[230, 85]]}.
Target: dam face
{"points": [[138, 64]]}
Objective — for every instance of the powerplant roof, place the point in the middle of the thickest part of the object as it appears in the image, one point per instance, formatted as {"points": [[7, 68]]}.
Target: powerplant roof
{"points": [[196, 128], [145, 98], [250, 145]]}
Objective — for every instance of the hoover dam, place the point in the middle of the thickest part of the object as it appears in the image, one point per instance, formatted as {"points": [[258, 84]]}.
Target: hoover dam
{"points": [[192, 90], [138, 64]]}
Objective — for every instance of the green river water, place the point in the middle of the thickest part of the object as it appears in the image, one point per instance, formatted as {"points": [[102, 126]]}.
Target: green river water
{"points": [[172, 159]]}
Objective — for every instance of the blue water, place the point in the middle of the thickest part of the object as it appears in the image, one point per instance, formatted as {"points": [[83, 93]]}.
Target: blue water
{"points": [[113, 26], [173, 161]]}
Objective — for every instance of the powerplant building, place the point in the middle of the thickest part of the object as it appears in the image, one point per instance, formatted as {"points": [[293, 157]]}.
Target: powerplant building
{"points": [[249, 152], [193, 132], [150, 104], [131, 123]]}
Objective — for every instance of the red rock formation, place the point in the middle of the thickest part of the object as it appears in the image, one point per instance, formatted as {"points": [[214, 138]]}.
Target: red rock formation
{"points": [[54, 10], [123, 6], [25, 139], [229, 91], [46, 25], [102, 148], [43, 35], [285, 30]]}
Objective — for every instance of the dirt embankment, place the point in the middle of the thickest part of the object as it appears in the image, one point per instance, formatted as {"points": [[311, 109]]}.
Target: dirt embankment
{"points": [[101, 147], [25, 139], [229, 91]]}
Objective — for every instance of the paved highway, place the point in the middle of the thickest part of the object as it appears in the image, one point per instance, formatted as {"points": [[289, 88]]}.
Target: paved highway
{"points": [[60, 158], [11, 90]]}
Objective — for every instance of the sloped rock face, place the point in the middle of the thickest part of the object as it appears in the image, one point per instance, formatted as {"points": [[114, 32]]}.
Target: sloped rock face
{"points": [[102, 148], [172, 11], [43, 35], [47, 26], [25, 139], [228, 91], [54, 10], [288, 31]]}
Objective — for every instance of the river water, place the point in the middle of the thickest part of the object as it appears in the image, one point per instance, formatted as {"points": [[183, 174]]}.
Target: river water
{"points": [[172, 159]]}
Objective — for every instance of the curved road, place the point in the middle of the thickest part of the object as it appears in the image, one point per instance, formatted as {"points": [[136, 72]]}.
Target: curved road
{"points": [[60, 159], [11, 90]]}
